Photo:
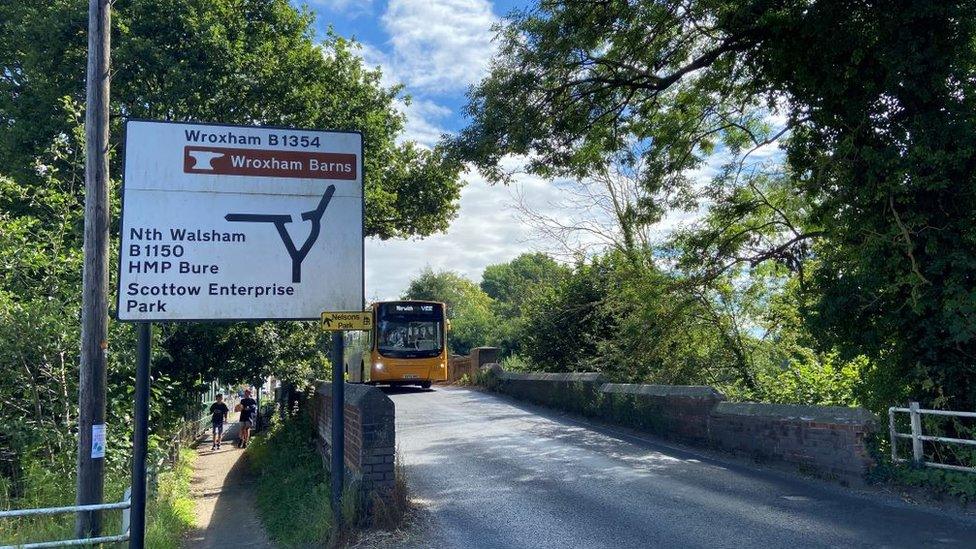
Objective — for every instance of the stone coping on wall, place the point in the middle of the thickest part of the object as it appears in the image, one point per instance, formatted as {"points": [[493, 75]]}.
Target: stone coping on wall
{"points": [[825, 439], [796, 412], [592, 377], [359, 395], [693, 391]]}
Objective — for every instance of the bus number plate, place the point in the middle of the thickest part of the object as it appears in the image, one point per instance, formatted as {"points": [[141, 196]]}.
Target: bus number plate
{"points": [[410, 376]]}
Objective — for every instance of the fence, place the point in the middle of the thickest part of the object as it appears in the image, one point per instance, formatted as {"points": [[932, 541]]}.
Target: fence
{"points": [[917, 438], [124, 536], [184, 435]]}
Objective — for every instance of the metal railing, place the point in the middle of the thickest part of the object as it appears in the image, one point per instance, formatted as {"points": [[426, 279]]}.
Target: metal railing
{"points": [[124, 536], [917, 438], [188, 432]]}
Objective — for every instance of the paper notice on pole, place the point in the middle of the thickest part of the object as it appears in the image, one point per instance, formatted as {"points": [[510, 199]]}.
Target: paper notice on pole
{"points": [[98, 441]]}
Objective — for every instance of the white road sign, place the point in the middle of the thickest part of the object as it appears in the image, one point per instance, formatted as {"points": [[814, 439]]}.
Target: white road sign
{"points": [[239, 223]]}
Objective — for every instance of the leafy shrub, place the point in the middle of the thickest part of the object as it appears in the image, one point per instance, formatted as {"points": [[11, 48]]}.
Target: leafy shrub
{"points": [[171, 514], [810, 379], [293, 494], [955, 484], [517, 363]]}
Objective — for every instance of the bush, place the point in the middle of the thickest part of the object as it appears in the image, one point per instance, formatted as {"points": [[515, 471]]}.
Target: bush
{"points": [[171, 514], [813, 379], [518, 363], [293, 490], [959, 485]]}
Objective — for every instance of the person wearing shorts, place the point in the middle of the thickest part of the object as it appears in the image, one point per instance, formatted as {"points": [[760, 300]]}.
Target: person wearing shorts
{"points": [[249, 409], [218, 415]]}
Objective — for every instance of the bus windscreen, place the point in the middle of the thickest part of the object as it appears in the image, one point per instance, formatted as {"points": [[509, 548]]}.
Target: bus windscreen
{"points": [[410, 330]]}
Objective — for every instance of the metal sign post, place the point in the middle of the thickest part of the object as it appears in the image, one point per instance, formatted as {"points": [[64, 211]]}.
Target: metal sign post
{"points": [[338, 425], [225, 222], [140, 438], [338, 322]]}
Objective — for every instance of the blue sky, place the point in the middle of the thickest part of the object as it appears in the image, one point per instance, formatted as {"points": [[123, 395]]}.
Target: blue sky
{"points": [[437, 49]]}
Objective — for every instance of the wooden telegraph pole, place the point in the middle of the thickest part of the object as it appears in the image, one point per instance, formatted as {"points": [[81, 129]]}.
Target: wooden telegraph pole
{"points": [[94, 300]]}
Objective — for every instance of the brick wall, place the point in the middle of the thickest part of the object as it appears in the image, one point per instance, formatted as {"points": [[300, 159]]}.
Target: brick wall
{"points": [[370, 434], [459, 366], [573, 391], [828, 441], [678, 412]]}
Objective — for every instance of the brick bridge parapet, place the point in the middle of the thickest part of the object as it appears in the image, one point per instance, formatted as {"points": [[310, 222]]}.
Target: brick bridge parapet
{"points": [[370, 435]]}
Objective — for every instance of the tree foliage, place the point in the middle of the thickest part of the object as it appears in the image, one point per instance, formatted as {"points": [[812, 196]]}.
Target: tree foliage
{"points": [[512, 284], [234, 61], [866, 206], [469, 309]]}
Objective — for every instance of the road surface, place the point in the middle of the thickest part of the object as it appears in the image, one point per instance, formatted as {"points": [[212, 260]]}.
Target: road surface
{"points": [[495, 472]]}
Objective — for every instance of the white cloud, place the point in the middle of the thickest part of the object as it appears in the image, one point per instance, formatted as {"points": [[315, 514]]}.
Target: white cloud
{"points": [[440, 45], [423, 115], [487, 231], [422, 121]]}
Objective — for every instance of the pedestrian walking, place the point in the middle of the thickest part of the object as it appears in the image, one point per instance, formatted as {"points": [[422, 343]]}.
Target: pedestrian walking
{"points": [[248, 408], [218, 416]]}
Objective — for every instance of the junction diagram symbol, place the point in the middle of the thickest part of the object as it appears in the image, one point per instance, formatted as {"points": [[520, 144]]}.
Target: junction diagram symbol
{"points": [[280, 221]]}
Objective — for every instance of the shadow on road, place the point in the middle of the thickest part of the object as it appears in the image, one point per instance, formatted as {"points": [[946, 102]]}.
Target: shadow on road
{"points": [[404, 390], [556, 480]]}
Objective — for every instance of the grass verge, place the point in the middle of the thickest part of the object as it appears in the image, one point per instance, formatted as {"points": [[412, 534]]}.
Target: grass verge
{"points": [[47, 486], [293, 485], [171, 514]]}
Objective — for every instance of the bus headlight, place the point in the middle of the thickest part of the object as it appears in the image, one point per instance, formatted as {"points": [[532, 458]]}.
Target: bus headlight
{"points": [[379, 365]]}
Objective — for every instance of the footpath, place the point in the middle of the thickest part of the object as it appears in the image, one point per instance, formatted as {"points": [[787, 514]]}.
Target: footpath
{"points": [[224, 498]]}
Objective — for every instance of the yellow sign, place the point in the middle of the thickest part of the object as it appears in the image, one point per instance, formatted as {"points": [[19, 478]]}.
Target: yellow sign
{"points": [[338, 321]]}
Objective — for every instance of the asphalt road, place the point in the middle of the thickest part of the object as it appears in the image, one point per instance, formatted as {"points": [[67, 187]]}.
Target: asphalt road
{"points": [[499, 473]]}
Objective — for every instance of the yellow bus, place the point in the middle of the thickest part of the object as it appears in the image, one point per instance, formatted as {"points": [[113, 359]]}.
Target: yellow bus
{"points": [[407, 345]]}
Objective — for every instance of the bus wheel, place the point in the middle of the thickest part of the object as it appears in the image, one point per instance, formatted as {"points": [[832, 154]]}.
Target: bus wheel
{"points": [[425, 385]]}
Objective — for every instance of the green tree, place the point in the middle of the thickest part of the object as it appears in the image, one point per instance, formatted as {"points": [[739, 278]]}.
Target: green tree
{"points": [[564, 324], [511, 284], [235, 61], [469, 309], [878, 134]]}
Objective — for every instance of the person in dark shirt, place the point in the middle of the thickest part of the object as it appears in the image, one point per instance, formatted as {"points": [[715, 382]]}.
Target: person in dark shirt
{"points": [[249, 411], [218, 415]]}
